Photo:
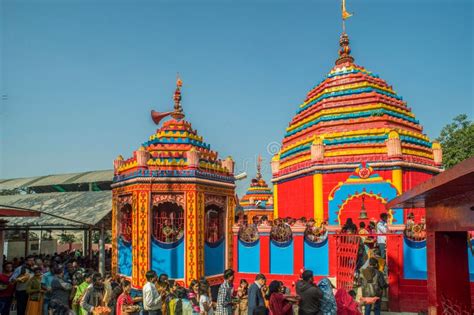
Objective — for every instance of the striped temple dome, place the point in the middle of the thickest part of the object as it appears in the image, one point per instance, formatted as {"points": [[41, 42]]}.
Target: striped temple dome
{"points": [[351, 114], [175, 150], [258, 195]]}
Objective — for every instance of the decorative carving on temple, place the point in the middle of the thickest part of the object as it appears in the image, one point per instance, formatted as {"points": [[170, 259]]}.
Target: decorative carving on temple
{"points": [[142, 157], [315, 233], [437, 153], [248, 233], [229, 164], [415, 231], [394, 146], [317, 150], [281, 232], [344, 51], [123, 200], [178, 199], [219, 201], [192, 158], [275, 164], [118, 162]]}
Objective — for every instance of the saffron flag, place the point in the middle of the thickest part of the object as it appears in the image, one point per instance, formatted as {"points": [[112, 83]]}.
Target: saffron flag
{"points": [[345, 14]]}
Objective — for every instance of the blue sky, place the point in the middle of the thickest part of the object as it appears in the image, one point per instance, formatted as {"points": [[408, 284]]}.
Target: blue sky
{"points": [[80, 77]]}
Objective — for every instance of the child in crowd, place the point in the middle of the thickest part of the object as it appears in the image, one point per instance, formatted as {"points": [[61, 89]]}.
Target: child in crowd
{"points": [[243, 297]]}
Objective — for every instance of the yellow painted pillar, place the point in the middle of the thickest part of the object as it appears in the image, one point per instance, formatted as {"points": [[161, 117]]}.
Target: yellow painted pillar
{"points": [[230, 236], [143, 229], [318, 197], [194, 252], [397, 179], [135, 251], [275, 201], [114, 235]]}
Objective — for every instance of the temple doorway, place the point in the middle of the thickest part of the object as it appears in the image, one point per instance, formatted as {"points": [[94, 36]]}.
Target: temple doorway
{"points": [[362, 208]]}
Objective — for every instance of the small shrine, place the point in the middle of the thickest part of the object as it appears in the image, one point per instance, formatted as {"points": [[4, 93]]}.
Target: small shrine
{"points": [[173, 205], [257, 202]]}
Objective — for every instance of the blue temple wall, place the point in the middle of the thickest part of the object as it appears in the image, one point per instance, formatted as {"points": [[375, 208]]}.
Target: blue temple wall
{"points": [[316, 257], [124, 257], [214, 255], [281, 258], [249, 257], [168, 258], [415, 261]]}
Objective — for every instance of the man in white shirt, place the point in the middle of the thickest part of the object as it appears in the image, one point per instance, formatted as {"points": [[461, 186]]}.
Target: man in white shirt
{"points": [[382, 228], [151, 297]]}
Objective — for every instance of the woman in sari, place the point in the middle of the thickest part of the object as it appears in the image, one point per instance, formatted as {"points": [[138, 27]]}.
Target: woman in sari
{"points": [[328, 302], [35, 292]]}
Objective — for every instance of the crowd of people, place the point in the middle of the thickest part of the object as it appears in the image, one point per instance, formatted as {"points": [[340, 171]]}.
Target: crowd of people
{"points": [[68, 284], [61, 284]]}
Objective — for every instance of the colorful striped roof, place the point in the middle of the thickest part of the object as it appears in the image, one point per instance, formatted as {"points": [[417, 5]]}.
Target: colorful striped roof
{"points": [[258, 195], [169, 149], [352, 111]]}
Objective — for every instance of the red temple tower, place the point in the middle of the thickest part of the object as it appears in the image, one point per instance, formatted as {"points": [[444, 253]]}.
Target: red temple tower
{"points": [[353, 145]]}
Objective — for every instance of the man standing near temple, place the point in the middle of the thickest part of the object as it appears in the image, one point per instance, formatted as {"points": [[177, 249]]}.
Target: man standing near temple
{"points": [[224, 296], [255, 294], [382, 228]]}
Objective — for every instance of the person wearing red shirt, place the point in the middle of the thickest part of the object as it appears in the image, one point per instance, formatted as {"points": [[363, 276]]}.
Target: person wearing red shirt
{"points": [[279, 303], [7, 289], [125, 304]]}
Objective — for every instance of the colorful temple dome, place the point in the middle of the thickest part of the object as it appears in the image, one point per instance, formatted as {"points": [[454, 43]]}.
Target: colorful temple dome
{"points": [[259, 195], [175, 150], [353, 115]]}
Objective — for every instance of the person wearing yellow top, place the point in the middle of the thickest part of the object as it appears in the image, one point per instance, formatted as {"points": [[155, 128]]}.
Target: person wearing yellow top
{"points": [[35, 294]]}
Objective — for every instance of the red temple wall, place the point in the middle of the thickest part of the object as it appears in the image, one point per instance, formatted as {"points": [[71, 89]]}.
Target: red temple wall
{"points": [[330, 181], [295, 198], [411, 179]]}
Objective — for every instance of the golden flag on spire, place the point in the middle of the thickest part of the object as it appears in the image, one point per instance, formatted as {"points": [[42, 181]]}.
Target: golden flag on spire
{"points": [[345, 14]]}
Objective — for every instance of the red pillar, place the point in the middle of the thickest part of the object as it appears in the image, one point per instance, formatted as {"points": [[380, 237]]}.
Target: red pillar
{"points": [[332, 255], [264, 232], [235, 250], [395, 270], [448, 273], [298, 248]]}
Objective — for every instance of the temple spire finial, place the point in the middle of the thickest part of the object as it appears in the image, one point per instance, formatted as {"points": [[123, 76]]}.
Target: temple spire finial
{"points": [[345, 51], [178, 109], [259, 167]]}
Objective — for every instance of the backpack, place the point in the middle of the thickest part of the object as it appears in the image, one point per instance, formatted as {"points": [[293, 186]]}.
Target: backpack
{"points": [[372, 288]]}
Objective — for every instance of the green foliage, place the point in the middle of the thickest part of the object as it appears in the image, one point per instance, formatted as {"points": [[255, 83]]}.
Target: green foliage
{"points": [[65, 238], [107, 237], [457, 140]]}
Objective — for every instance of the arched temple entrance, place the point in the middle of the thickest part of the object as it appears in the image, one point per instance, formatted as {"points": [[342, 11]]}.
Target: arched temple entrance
{"points": [[346, 200]]}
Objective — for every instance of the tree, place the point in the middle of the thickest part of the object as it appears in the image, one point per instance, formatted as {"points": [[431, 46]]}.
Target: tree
{"points": [[65, 238], [107, 237], [457, 140]]}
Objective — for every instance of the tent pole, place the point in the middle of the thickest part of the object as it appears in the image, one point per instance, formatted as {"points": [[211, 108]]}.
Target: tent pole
{"points": [[102, 250], [2, 242], [27, 241]]}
